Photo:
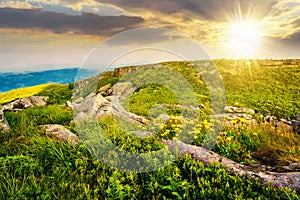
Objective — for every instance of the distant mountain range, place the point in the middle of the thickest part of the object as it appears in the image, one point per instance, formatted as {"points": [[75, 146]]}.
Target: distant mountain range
{"points": [[11, 80]]}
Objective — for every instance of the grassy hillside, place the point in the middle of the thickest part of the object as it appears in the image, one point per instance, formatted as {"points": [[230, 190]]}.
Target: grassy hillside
{"points": [[57, 93], [34, 165], [22, 93]]}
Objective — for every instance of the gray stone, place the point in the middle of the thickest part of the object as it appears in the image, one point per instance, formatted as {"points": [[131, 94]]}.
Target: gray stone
{"points": [[298, 116], [4, 126], [232, 109], [26, 103], [295, 166], [61, 133], [105, 90], [124, 89], [69, 104], [296, 126]]}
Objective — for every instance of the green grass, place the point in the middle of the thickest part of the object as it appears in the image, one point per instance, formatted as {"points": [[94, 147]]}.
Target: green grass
{"points": [[269, 90], [36, 166]]}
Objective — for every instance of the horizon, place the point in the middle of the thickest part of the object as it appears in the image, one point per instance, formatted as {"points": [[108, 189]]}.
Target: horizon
{"points": [[33, 70]]}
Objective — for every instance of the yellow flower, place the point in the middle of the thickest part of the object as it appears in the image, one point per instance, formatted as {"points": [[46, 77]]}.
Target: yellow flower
{"points": [[255, 134], [234, 121], [228, 139], [223, 133]]}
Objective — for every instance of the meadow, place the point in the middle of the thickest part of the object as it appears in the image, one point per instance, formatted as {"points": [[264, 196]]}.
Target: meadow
{"points": [[34, 165]]}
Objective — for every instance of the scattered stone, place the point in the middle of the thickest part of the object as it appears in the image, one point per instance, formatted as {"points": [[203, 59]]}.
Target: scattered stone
{"points": [[4, 126], [105, 90], [61, 133], [295, 166], [69, 104], [232, 109], [296, 126], [298, 116], [24, 103], [120, 72], [270, 119]]}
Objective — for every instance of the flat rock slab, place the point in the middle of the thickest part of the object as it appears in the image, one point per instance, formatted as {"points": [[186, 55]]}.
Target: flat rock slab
{"points": [[291, 179], [61, 133]]}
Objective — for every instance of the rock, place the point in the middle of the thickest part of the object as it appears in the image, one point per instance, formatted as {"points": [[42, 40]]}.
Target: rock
{"points": [[69, 104], [123, 89], [120, 72], [296, 126], [100, 102], [295, 166], [61, 133], [232, 109], [38, 100], [298, 116], [26, 103], [105, 90], [279, 180], [4, 126], [270, 119]]}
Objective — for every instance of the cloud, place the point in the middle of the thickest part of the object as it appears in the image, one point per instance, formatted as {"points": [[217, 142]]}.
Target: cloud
{"points": [[210, 10], [69, 7], [85, 23]]}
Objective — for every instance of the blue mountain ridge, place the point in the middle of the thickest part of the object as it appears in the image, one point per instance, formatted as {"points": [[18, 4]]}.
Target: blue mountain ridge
{"points": [[11, 80]]}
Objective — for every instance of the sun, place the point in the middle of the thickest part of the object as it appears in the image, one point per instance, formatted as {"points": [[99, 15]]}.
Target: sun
{"points": [[244, 38]]}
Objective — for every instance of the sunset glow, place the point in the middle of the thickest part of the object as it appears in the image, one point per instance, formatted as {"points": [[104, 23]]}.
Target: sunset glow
{"points": [[244, 38]]}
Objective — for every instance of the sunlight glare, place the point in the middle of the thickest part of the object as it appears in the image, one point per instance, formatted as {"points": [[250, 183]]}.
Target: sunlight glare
{"points": [[244, 38]]}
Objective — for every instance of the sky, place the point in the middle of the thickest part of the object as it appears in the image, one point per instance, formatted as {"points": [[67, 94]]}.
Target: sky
{"points": [[51, 34]]}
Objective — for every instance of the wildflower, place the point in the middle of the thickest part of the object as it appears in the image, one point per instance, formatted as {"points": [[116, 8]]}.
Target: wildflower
{"points": [[223, 133], [177, 130], [255, 134], [228, 139], [234, 121], [242, 120]]}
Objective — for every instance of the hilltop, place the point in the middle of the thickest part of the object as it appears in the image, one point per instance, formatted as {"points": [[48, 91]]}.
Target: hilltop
{"points": [[37, 164]]}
